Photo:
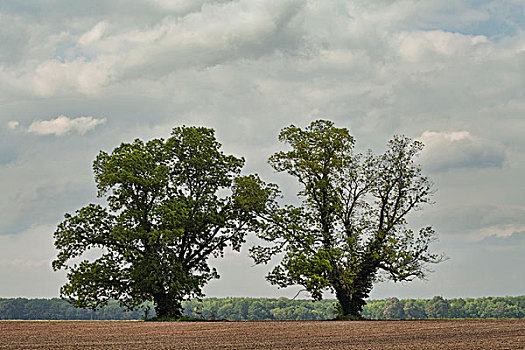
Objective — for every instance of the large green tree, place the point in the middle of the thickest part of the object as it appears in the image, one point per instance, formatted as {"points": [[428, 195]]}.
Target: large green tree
{"points": [[351, 227], [171, 204]]}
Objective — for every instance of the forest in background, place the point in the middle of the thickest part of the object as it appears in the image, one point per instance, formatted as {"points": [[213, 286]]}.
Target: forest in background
{"points": [[259, 309]]}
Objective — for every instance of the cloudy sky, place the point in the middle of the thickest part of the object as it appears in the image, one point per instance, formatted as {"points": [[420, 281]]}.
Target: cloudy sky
{"points": [[80, 77]]}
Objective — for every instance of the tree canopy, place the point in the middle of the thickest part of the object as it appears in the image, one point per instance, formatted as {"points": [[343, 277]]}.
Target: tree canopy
{"points": [[171, 204], [351, 227]]}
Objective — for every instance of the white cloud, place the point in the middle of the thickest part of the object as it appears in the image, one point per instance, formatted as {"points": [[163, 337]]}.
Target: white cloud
{"points": [[180, 5], [459, 149], [107, 53], [217, 34], [503, 231], [431, 137], [415, 46], [93, 35], [87, 77], [63, 125], [12, 125]]}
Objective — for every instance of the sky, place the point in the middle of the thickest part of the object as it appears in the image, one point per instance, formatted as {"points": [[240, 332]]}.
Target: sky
{"points": [[83, 76]]}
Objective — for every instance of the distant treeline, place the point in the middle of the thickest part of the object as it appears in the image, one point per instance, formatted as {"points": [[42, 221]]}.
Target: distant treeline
{"points": [[255, 309], [437, 307], [59, 309]]}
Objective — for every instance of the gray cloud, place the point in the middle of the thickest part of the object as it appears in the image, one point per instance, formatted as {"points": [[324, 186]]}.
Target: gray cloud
{"points": [[459, 149], [515, 240], [27, 266], [475, 222], [9, 151], [7, 154]]}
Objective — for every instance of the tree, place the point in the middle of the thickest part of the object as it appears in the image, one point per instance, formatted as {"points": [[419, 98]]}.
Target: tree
{"points": [[373, 309], [393, 309], [414, 310], [171, 204], [437, 307], [351, 227], [457, 308], [257, 311]]}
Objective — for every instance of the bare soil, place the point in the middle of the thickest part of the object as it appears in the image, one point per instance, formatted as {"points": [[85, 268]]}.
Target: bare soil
{"points": [[441, 334]]}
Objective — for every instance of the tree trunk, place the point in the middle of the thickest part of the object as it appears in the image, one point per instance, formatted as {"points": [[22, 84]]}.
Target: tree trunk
{"points": [[167, 306], [352, 298], [350, 305]]}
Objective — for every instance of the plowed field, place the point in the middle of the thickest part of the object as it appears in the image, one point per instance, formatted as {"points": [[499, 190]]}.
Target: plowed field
{"points": [[446, 334]]}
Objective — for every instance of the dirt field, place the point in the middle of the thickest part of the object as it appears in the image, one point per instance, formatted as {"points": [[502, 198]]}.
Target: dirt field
{"points": [[475, 334]]}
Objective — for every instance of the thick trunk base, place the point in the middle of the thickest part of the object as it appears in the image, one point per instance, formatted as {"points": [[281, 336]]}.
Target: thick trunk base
{"points": [[352, 298], [349, 309], [167, 307], [349, 306]]}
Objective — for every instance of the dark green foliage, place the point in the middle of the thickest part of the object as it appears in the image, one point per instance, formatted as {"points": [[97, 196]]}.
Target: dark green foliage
{"points": [[171, 205], [351, 228], [491, 307], [373, 310], [414, 310], [456, 308], [437, 307], [252, 309], [393, 309], [58, 309]]}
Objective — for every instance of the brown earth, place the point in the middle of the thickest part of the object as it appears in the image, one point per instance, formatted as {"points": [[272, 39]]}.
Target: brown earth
{"points": [[442, 334]]}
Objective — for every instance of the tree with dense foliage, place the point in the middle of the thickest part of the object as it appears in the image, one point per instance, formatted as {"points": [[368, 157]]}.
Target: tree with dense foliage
{"points": [[414, 310], [457, 308], [351, 227], [437, 307], [393, 309], [171, 204]]}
